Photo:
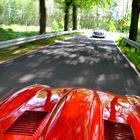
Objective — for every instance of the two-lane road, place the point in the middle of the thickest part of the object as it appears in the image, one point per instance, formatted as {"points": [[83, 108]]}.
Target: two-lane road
{"points": [[79, 61]]}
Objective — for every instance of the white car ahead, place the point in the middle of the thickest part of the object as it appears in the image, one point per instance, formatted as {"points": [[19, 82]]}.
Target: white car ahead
{"points": [[99, 33]]}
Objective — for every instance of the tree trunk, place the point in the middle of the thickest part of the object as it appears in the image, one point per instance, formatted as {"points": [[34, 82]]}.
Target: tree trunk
{"points": [[134, 20], [66, 18], [42, 20], [74, 14]]}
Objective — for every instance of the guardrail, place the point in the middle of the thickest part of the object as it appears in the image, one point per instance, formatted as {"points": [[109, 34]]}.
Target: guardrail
{"points": [[9, 43], [132, 43]]}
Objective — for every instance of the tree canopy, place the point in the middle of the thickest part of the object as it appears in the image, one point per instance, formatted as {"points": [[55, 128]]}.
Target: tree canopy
{"points": [[78, 4], [70, 14]]}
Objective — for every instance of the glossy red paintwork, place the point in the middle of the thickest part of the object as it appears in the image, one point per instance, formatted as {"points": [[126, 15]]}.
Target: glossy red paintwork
{"points": [[73, 114], [76, 116]]}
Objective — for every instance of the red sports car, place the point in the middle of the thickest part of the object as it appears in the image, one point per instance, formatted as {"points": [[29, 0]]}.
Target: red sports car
{"points": [[42, 113]]}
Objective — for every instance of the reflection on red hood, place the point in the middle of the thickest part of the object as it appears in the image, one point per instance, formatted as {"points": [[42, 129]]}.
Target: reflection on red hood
{"points": [[42, 113]]}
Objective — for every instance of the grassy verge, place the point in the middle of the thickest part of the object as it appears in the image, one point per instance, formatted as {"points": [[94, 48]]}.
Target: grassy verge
{"points": [[15, 51], [12, 32], [133, 56]]}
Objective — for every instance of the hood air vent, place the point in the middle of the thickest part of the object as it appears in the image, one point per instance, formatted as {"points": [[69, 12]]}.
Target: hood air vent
{"points": [[27, 123], [117, 131]]}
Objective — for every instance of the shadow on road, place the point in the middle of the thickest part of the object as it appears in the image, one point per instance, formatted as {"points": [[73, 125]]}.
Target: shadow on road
{"points": [[81, 61]]}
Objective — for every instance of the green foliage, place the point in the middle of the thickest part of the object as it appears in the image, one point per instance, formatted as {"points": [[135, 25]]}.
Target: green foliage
{"points": [[123, 24], [23, 12], [93, 20], [84, 4], [26, 12], [111, 26], [87, 20], [91, 14], [138, 36], [55, 25], [55, 21], [100, 16], [9, 33], [121, 42], [133, 56]]}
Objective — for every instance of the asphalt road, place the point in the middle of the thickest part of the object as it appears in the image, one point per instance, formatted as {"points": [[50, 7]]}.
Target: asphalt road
{"points": [[75, 62]]}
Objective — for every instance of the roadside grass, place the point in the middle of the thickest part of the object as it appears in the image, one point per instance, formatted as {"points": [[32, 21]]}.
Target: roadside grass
{"points": [[130, 52], [20, 28], [19, 50], [18, 31], [9, 33]]}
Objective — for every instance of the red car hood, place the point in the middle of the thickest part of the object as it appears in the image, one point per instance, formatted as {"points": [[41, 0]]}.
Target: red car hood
{"points": [[42, 113]]}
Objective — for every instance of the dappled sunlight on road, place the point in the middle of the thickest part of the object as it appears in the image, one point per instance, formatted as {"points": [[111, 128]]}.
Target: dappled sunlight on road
{"points": [[26, 78], [82, 62]]}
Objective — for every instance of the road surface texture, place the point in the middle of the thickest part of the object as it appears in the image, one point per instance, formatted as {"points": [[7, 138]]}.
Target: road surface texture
{"points": [[76, 62]]}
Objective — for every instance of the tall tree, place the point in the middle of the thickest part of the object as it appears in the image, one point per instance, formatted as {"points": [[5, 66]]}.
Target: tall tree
{"points": [[65, 5], [76, 4], [82, 4], [74, 16], [42, 21], [88, 5], [134, 20], [19, 12], [66, 18]]}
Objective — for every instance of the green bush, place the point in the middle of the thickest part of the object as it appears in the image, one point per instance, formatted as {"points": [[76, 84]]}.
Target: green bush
{"points": [[120, 42], [130, 52], [55, 26], [9, 30], [123, 24], [9, 33], [111, 26]]}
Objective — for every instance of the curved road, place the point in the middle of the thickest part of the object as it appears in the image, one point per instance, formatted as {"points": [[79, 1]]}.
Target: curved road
{"points": [[80, 62]]}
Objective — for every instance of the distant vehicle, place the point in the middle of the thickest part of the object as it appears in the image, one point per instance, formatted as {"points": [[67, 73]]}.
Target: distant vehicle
{"points": [[99, 33], [39, 112]]}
